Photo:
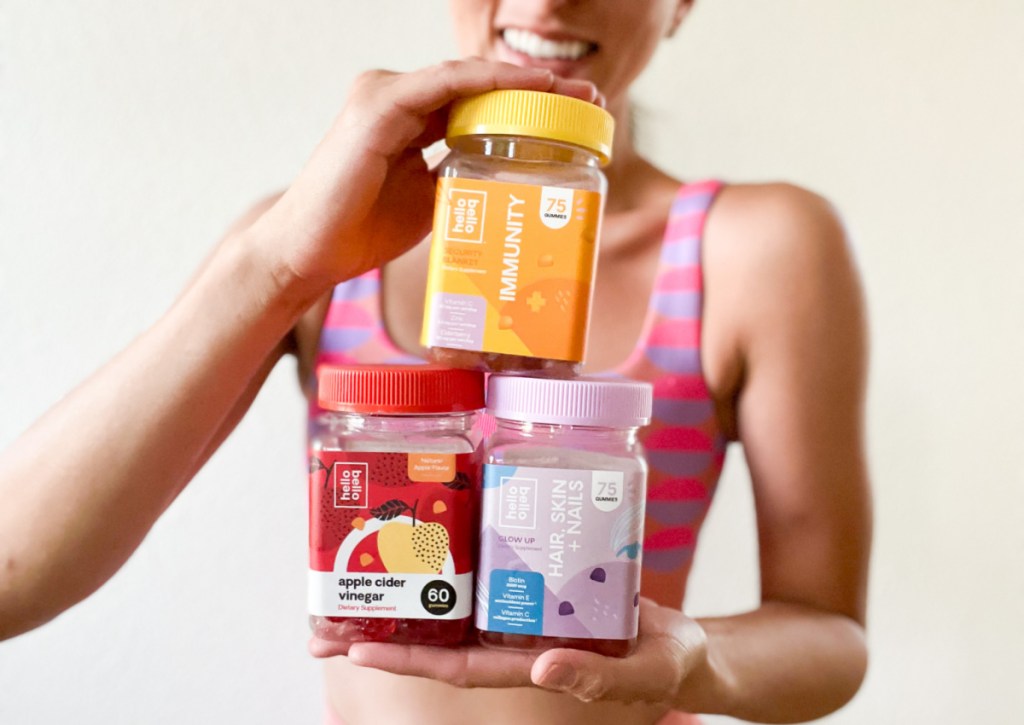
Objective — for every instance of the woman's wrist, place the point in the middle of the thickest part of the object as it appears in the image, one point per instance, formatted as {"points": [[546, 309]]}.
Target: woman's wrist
{"points": [[707, 686], [275, 284], [247, 290], [782, 662]]}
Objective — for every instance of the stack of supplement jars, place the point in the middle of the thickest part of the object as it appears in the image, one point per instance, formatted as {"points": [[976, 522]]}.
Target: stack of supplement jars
{"points": [[563, 480]]}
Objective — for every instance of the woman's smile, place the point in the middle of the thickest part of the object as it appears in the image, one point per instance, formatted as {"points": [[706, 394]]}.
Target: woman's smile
{"points": [[562, 53]]}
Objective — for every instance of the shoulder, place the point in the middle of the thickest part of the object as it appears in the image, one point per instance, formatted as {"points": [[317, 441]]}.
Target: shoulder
{"points": [[768, 221], [778, 243], [780, 275]]}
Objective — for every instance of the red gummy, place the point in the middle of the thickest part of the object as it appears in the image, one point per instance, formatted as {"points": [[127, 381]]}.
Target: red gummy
{"points": [[606, 647], [435, 632]]}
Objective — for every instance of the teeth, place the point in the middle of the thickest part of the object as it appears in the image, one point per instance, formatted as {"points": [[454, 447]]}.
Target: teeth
{"points": [[531, 44]]}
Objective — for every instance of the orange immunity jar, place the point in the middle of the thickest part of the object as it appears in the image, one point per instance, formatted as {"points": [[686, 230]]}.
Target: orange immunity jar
{"points": [[516, 226]]}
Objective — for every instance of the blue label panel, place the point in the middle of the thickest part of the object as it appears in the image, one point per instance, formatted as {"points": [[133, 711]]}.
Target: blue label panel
{"points": [[516, 603]]}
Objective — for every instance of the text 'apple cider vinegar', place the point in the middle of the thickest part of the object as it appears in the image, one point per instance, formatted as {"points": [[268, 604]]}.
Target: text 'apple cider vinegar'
{"points": [[393, 504]]}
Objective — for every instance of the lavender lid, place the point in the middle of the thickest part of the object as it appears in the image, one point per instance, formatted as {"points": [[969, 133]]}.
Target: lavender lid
{"points": [[587, 401]]}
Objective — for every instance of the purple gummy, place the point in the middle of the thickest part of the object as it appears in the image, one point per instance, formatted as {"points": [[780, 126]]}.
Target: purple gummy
{"points": [[636, 599], [598, 575], [565, 609]]}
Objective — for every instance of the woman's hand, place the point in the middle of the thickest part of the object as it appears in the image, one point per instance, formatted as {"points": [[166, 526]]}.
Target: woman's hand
{"points": [[366, 195], [671, 651]]}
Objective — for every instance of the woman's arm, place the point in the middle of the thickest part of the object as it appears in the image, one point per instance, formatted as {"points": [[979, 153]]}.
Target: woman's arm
{"points": [[782, 287], [81, 488], [796, 306], [785, 319], [784, 329]]}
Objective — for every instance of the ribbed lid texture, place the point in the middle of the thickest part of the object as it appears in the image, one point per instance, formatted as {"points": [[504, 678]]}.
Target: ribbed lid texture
{"points": [[533, 113], [590, 402], [399, 389]]}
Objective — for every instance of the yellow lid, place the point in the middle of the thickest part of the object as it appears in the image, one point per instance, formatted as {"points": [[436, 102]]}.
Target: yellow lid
{"points": [[533, 113]]}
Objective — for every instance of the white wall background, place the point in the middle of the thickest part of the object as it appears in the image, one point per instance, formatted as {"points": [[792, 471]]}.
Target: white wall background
{"points": [[131, 133]]}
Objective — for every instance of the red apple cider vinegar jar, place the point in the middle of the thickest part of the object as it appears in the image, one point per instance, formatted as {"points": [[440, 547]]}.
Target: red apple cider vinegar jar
{"points": [[393, 511]]}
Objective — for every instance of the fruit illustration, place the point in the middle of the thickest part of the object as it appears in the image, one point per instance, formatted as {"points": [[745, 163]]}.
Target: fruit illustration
{"points": [[430, 544], [329, 525], [410, 547], [413, 548], [407, 527], [365, 557]]}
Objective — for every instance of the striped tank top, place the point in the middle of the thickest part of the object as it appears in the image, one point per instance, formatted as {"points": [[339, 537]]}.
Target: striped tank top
{"points": [[684, 442]]}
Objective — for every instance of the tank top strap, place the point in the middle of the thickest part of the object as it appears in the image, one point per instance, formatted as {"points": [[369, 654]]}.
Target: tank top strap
{"points": [[684, 231], [672, 343]]}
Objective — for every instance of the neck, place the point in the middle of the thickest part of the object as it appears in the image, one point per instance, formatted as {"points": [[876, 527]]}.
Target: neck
{"points": [[627, 166]]}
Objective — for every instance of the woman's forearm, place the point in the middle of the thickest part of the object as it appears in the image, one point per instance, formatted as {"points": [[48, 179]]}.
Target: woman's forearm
{"points": [[81, 488], [780, 663]]}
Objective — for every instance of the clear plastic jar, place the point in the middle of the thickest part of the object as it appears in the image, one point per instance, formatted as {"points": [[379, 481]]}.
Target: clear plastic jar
{"points": [[564, 489], [514, 249], [394, 484]]}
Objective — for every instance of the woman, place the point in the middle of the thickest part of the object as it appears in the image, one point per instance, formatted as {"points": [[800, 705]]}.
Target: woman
{"points": [[779, 364], [777, 340]]}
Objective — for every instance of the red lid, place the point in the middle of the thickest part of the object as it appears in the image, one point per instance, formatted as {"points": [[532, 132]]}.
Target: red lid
{"points": [[399, 389]]}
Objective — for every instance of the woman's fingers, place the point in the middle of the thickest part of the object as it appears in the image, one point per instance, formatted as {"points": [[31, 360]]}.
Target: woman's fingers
{"points": [[651, 674], [323, 648], [429, 89], [462, 667], [670, 645], [584, 90], [410, 108]]}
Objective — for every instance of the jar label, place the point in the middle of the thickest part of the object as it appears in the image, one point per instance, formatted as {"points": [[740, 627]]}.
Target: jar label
{"points": [[511, 267], [560, 552], [392, 534]]}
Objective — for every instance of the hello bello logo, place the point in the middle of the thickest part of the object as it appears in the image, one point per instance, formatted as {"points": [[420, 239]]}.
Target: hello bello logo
{"points": [[465, 222], [351, 489]]}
